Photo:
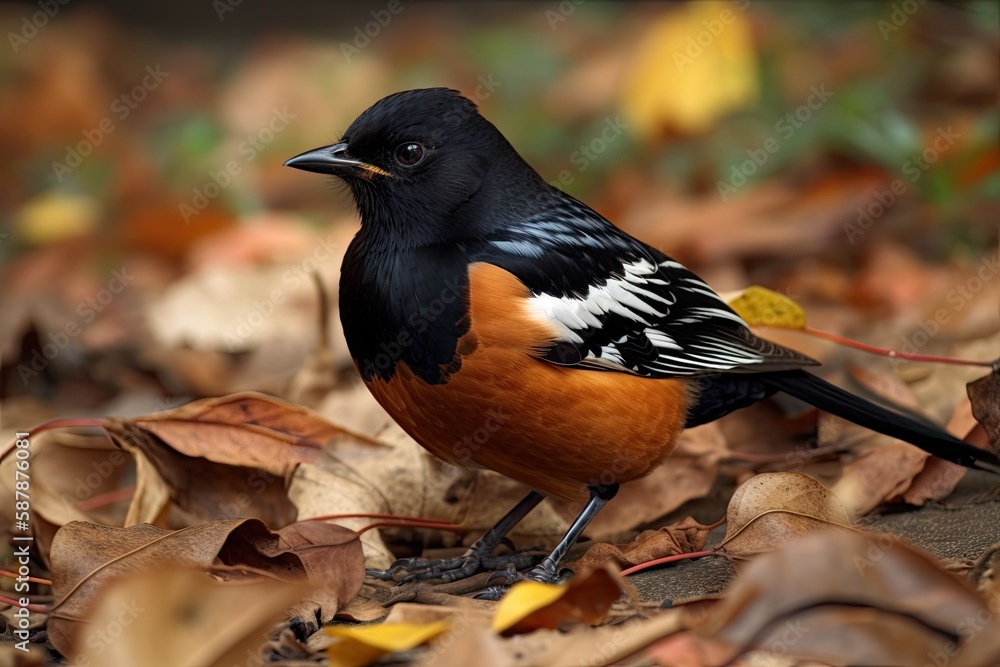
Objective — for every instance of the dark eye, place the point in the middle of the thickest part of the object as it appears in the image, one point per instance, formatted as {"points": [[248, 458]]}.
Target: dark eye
{"points": [[409, 154]]}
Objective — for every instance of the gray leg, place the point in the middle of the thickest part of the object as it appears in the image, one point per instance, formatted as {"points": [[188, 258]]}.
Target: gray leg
{"points": [[548, 570], [478, 557]]}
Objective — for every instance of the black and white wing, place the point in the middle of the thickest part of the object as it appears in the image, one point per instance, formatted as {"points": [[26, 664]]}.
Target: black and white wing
{"points": [[621, 305]]}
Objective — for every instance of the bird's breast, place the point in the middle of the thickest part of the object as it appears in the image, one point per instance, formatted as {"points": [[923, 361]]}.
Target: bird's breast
{"points": [[555, 428]]}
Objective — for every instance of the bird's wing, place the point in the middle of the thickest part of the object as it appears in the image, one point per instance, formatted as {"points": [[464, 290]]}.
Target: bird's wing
{"points": [[621, 305]]}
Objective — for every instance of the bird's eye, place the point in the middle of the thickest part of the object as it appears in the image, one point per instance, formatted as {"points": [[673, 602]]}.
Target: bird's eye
{"points": [[409, 154]]}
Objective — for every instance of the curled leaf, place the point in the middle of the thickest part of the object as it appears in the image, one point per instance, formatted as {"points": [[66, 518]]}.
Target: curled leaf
{"points": [[772, 508]]}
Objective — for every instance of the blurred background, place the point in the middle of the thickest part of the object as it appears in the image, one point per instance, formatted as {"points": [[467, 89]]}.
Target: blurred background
{"points": [[153, 248]]}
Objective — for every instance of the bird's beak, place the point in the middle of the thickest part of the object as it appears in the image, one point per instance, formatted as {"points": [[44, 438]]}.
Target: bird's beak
{"points": [[334, 160]]}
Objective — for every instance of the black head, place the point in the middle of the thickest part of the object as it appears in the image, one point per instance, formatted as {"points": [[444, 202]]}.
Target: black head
{"points": [[423, 166]]}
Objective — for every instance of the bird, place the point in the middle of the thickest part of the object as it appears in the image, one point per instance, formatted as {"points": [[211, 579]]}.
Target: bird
{"points": [[506, 325]]}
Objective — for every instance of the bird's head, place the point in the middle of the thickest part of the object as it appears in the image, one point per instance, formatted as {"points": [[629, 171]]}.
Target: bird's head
{"points": [[416, 163]]}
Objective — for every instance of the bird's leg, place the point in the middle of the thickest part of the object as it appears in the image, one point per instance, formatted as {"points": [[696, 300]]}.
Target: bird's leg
{"points": [[478, 557], [548, 570]]}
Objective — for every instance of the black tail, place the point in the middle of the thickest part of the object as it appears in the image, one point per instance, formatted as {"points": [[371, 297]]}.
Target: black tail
{"points": [[830, 398]]}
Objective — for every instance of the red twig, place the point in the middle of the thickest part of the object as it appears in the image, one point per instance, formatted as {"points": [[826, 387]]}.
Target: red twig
{"points": [[412, 524], [667, 559], [885, 352], [15, 575], [104, 499], [39, 608]]}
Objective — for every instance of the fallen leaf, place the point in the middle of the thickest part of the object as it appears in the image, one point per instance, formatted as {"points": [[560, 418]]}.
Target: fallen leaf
{"points": [[54, 216], [364, 607], [883, 467], [365, 644], [227, 457], [85, 557], [684, 537], [772, 508], [851, 598], [182, 618], [984, 394], [245, 429], [666, 84], [939, 477], [530, 605], [761, 307]]}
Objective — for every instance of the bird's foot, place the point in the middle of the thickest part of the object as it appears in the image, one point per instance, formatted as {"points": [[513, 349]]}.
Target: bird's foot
{"points": [[407, 570], [498, 583]]}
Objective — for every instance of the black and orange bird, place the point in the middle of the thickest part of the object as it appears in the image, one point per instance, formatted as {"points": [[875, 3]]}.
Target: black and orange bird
{"points": [[477, 295]]}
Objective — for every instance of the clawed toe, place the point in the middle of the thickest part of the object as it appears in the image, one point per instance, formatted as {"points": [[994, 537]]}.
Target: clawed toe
{"points": [[409, 570]]}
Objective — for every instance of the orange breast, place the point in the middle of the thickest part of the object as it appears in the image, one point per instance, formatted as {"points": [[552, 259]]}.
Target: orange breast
{"points": [[555, 428]]}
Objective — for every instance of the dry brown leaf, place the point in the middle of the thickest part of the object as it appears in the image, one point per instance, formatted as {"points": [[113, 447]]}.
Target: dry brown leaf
{"points": [[684, 537], [364, 607], [333, 561], [245, 429], [227, 457], [984, 395], [199, 489], [850, 598], [85, 557], [772, 508], [939, 477], [182, 618], [884, 467]]}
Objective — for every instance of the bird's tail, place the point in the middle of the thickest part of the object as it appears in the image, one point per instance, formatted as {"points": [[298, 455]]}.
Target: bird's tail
{"points": [[830, 398]]}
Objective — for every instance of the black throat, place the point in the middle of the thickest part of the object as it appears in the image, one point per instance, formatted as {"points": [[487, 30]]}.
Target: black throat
{"points": [[404, 305]]}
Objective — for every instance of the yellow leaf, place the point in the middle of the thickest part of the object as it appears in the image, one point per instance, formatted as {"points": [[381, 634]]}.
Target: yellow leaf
{"points": [[761, 307], [361, 645], [531, 605], [523, 599], [54, 216], [692, 66]]}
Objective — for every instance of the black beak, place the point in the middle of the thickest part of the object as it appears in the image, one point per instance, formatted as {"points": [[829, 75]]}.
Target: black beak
{"points": [[326, 160], [335, 160]]}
